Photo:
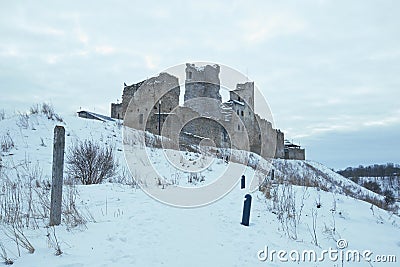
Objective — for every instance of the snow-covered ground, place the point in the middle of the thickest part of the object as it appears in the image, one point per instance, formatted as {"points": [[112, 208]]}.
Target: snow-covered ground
{"points": [[126, 227]]}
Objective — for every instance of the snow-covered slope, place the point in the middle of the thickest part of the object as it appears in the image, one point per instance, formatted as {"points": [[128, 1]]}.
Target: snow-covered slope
{"points": [[126, 227]]}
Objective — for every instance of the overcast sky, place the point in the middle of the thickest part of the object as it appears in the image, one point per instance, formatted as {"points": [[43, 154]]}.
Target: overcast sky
{"points": [[330, 70]]}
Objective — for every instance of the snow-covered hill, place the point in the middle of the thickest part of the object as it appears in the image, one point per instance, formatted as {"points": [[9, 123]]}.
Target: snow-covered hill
{"points": [[307, 207]]}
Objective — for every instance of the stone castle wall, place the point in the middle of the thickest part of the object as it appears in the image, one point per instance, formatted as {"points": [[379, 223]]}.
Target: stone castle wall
{"points": [[295, 153], [146, 106], [233, 123]]}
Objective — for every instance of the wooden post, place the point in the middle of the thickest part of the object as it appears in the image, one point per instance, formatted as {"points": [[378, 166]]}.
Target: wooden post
{"points": [[57, 175]]}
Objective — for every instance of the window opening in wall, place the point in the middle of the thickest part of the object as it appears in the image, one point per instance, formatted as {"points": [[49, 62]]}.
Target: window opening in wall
{"points": [[242, 113]]}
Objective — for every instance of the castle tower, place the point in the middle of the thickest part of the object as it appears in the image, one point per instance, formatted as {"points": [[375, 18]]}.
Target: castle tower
{"points": [[202, 82], [242, 103]]}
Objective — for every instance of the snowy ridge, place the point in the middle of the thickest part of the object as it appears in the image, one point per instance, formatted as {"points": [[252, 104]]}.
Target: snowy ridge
{"points": [[343, 182]]}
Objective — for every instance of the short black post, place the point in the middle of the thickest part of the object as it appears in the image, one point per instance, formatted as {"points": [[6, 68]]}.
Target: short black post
{"points": [[243, 182], [272, 174], [246, 210]]}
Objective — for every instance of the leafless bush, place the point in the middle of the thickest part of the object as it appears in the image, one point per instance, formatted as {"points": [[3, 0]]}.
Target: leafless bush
{"points": [[284, 206], [91, 163], [373, 200], [45, 109], [195, 177], [124, 177], [25, 204], [11, 204], [17, 234], [6, 142], [23, 121], [72, 217], [24, 197], [2, 114], [4, 256], [313, 231], [53, 241], [34, 109], [48, 110]]}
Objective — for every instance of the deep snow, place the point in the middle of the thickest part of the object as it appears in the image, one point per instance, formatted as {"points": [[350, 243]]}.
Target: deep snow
{"points": [[129, 228]]}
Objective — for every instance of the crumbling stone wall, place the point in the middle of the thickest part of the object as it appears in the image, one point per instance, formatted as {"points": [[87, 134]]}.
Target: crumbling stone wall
{"points": [[144, 111], [204, 128], [203, 115], [295, 153]]}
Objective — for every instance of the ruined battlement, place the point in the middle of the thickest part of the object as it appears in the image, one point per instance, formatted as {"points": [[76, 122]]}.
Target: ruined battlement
{"points": [[203, 115], [207, 73], [244, 92], [202, 82]]}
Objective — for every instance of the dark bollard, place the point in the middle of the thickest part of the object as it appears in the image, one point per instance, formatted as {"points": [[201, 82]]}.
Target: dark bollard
{"points": [[243, 182], [272, 174], [246, 210]]}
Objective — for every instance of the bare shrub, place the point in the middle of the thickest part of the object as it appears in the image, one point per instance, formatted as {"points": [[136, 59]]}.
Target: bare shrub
{"points": [[313, 231], [53, 241], [49, 112], [373, 186], [23, 199], [72, 217], [11, 204], [195, 177], [2, 115], [23, 121], [91, 163], [124, 177], [389, 197], [284, 206], [34, 109], [4, 256], [6, 142], [17, 234], [373, 200]]}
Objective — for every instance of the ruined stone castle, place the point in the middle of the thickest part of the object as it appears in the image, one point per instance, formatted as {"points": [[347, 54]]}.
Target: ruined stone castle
{"points": [[153, 105]]}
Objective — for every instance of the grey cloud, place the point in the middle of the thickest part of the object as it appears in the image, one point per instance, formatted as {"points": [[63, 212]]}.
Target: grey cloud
{"points": [[324, 66]]}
